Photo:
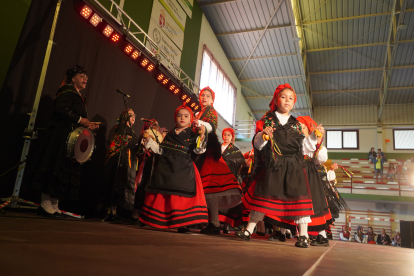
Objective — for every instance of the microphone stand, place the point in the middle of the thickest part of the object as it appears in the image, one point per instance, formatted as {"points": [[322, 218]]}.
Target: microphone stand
{"points": [[109, 213]]}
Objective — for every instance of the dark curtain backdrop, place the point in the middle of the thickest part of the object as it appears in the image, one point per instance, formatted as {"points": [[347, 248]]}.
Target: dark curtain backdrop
{"points": [[76, 42]]}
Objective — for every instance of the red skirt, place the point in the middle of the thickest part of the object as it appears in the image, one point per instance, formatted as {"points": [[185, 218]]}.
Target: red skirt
{"points": [[276, 207], [217, 177], [172, 211]]}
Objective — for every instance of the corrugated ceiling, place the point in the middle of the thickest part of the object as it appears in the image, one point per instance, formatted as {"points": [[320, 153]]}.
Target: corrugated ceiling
{"points": [[345, 43]]}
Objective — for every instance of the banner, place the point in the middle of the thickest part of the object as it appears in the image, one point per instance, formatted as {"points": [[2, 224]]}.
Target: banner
{"points": [[175, 11], [166, 23], [187, 6], [164, 43]]}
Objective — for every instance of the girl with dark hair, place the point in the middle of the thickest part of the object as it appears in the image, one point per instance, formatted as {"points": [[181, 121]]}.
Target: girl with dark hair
{"points": [[174, 193], [280, 187], [359, 235], [121, 185], [56, 176], [221, 182], [371, 236]]}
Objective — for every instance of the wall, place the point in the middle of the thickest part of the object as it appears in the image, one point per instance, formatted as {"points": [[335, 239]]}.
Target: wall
{"points": [[208, 37], [12, 16]]}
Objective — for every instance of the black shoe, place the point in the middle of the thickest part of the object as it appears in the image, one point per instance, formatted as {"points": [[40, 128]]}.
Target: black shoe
{"points": [[211, 230], [302, 242], [261, 233], [288, 236], [320, 241], [282, 237], [42, 212], [243, 236], [183, 230], [226, 231], [273, 237]]}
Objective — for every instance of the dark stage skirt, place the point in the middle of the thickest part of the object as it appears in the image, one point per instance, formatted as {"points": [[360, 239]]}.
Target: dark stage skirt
{"points": [[276, 206], [232, 216], [124, 181], [316, 186], [217, 177], [172, 211], [51, 172]]}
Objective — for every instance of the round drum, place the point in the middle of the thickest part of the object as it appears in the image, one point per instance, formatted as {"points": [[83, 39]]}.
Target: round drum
{"points": [[80, 144]]}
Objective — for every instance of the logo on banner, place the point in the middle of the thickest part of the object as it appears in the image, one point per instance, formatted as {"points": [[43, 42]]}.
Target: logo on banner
{"points": [[162, 19]]}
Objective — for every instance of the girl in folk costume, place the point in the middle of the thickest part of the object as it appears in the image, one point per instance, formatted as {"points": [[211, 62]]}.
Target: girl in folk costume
{"points": [[123, 194], [221, 183], [207, 117], [312, 155], [371, 236], [344, 235], [174, 194], [280, 187]]}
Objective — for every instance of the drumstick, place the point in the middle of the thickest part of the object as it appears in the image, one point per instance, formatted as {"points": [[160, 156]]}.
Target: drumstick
{"points": [[97, 123]]}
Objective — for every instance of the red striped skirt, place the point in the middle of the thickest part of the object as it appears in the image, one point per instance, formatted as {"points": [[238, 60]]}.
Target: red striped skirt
{"points": [[172, 211], [217, 177]]}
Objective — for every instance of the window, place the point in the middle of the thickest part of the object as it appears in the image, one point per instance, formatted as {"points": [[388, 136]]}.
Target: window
{"points": [[213, 75], [342, 139], [403, 139]]}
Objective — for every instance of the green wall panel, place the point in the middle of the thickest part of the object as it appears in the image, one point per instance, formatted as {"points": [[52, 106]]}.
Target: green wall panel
{"points": [[12, 17]]}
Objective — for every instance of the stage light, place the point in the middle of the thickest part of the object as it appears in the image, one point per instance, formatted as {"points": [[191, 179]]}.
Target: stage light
{"points": [[172, 87], [128, 49], [184, 97], [86, 12], [150, 67], [192, 105], [196, 107], [176, 90], [144, 62], [135, 55], [108, 30], [165, 81], [115, 37], [188, 100], [95, 19], [160, 77]]}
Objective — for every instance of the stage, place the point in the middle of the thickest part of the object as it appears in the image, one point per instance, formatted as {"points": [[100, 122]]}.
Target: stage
{"points": [[35, 246]]}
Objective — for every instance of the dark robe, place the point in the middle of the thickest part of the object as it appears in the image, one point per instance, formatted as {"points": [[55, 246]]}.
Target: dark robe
{"points": [[52, 172], [234, 160], [124, 180]]}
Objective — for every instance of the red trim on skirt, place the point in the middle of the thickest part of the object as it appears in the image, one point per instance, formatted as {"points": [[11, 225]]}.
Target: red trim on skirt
{"points": [[172, 211], [277, 207], [217, 177]]}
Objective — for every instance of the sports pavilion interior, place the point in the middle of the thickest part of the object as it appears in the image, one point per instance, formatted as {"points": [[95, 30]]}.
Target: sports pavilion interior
{"points": [[350, 62]]}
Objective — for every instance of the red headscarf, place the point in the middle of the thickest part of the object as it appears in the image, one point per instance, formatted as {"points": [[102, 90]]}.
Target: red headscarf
{"points": [[184, 107], [213, 95], [229, 129], [273, 102], [308, 121]]}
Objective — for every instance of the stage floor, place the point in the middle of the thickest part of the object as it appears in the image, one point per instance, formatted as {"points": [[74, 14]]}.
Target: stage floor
{"points": [[36, 246]]}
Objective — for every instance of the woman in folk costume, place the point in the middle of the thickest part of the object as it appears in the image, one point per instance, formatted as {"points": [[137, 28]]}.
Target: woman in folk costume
{"points": [[121, 180], [221, 182], [174, 194], [344, 235], [280, 187]]}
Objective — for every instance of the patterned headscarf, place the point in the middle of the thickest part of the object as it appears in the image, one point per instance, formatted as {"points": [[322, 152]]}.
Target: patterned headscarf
{"points": [[123, 116], [308, 121], [273, 102], [183, 107], [229, 129], [213, 95], [71, 72], [345, 232]]}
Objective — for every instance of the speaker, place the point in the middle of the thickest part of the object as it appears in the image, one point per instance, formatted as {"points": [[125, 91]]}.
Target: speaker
{"points": [[407, 234]]}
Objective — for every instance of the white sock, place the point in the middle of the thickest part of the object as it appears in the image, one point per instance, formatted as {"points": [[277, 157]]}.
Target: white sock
{"points": [[303, 229], [323, 233], [282, 230], [255, 217], [55, 204], [46, 203]]}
